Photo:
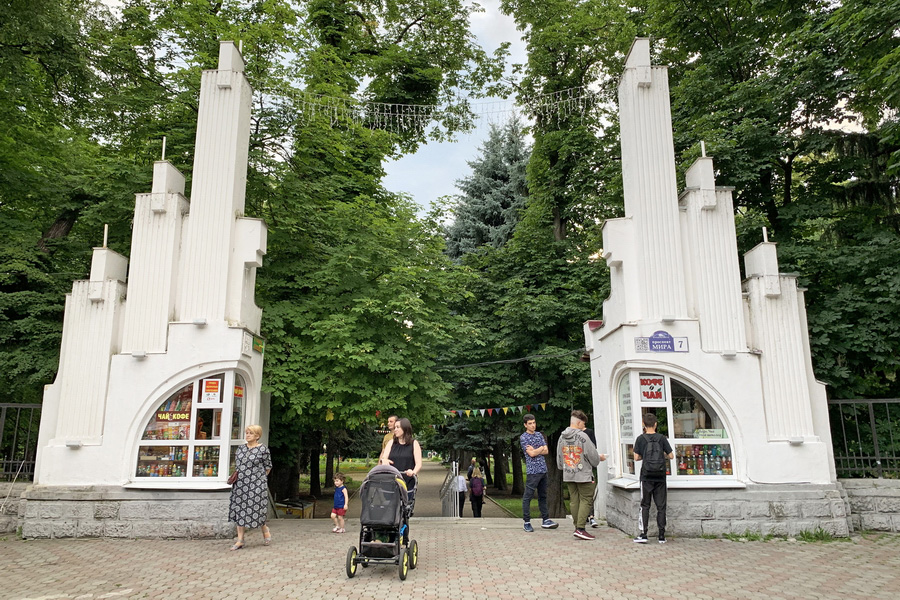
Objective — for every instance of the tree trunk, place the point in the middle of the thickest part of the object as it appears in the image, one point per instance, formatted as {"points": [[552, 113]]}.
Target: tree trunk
{"points": [[484, 462], [59, 229], [315, 486], [555, 502], [499, 468], [518, 482], [329, 464]]}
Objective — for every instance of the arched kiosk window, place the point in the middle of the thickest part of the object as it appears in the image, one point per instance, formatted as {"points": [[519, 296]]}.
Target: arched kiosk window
{"points": [[188, 435], [703, 448]]}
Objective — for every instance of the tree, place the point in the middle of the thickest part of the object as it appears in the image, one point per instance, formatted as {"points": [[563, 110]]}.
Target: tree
{"points": [[537, 290], [494, 194]]}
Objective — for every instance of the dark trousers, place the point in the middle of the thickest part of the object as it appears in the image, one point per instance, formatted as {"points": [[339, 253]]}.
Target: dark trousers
{"points": [[477, 503], [535, 482], [462, 502], [657, 491]]}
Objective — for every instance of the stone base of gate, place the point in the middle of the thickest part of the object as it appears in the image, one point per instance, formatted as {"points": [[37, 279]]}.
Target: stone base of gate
{"points": [[116, 512], [874, 504], [778, 510]]}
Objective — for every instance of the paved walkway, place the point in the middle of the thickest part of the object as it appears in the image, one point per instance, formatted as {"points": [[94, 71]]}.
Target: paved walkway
{"points": [[458, 558], [463, 558], [428, 496]]}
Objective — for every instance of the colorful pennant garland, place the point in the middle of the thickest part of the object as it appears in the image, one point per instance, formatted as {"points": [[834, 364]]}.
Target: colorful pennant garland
{"points": [[480, 412]]}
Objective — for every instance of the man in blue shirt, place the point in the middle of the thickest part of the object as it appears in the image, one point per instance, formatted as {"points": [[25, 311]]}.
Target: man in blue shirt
{"points": [[534, 446]]}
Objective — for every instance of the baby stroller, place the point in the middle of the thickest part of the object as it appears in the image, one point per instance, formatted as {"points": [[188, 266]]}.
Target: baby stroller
{"points": [[386, 506]]}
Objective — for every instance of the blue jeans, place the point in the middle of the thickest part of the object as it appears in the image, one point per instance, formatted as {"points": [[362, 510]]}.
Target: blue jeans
{"points": [[535, 481]]}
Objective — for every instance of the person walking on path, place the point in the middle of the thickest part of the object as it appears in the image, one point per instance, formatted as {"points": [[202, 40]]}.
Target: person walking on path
{"points": [[534, 445], [653, 449], [250, 493], [404, 453], [577, 456], [392, 420], [461, 492], [341, 502], [476, 491]]}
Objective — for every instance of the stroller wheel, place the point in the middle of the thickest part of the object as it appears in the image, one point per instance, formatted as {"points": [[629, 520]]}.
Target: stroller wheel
{"points": [[351, 562], [404, 564], [413, 554]]}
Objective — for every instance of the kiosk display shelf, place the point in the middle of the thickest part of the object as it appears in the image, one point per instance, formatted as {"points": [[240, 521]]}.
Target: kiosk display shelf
{"points": [[703, 459], [162, 461], [206, 461]]}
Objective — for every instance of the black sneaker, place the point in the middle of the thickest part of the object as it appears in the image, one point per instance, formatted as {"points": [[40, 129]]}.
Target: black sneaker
{"points": [[662, 539], [641, 539]]}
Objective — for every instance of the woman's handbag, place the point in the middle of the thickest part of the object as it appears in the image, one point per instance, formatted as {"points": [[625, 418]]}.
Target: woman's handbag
{"points": [[232, 478]]}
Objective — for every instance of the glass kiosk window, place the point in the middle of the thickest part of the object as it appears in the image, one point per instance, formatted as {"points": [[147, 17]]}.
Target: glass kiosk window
{"points": [[697, 435], [237, 420], [194, 416]]}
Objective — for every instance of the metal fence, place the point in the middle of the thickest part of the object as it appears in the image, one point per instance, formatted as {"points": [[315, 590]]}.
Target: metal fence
{"points": [[19, 425], [449, 495], [866, 437]]}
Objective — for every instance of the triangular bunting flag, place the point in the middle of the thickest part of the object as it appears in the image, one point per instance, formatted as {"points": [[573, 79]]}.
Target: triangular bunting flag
{"points": [[528, 406], [467, 412], [490, 412], [543, 406], [521, 408], [482, 412]]}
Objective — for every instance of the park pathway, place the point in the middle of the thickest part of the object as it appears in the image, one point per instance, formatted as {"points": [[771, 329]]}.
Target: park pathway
{"points": [[428, 500]]}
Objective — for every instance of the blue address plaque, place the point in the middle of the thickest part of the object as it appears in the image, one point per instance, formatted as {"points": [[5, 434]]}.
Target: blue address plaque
{"points": [[661, 341]]}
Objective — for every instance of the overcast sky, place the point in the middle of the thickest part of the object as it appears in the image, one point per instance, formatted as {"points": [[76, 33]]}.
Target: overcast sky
{"points": [[433, 170]]}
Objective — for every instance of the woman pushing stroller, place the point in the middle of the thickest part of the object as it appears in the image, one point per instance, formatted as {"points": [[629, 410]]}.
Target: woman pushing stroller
{"points": [[404, 453]]}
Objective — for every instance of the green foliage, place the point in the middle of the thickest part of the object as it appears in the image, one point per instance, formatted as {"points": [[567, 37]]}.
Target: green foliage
{"points": [[819, 535], [493, 195]]}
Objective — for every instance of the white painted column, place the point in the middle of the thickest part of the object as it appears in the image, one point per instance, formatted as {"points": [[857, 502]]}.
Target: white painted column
{"points": [[90, 337], [648, 172], [217, 192], [777, 317], [155, 247], [710, 253]]}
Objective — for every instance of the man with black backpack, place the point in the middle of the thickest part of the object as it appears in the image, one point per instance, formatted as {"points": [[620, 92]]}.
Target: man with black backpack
{"points": [[655, 451]]}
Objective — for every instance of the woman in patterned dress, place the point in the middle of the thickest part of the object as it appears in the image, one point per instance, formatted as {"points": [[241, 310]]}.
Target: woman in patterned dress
{"points": [[249, 494]]}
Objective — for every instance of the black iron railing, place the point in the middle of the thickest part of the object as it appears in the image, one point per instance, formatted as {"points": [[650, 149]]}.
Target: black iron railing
{"points": [[19, 425], [866, 437]]}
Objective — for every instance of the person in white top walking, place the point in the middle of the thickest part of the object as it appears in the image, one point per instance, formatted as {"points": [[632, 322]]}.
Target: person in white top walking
{"points": [[461, 487]]}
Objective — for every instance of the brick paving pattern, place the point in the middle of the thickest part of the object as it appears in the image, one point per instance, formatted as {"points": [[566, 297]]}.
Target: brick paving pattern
{"points": [[460, 558]]}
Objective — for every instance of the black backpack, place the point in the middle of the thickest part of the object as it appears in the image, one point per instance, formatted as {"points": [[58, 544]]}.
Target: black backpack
{"points": [[654, 457]]}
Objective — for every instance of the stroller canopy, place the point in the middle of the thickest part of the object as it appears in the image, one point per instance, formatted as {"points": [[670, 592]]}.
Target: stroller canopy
{"points": [[382, 497]]}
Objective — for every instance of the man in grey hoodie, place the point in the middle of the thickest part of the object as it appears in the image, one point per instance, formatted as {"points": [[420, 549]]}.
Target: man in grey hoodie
{"points": [[576, 455]]}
